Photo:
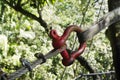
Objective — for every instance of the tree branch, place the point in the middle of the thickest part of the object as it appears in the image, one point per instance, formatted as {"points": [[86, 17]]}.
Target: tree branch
{"points": [[28, 14], [21, 10], [19, 2]]}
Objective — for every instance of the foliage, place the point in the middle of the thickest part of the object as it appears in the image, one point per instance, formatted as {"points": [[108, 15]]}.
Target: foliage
{"points": [[22, 36]]}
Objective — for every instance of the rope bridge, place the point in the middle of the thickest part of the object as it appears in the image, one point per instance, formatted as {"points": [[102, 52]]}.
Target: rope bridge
{"points": [[107, 20]]}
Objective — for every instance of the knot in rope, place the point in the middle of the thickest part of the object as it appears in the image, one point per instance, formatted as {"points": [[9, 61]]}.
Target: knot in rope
{"points": [[59, 41]]}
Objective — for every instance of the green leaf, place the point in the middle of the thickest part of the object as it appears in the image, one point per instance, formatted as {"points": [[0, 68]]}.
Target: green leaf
{"points": [[83, 2]]}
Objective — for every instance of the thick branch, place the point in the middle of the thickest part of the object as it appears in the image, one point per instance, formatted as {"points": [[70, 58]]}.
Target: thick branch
{"points": [[21, 10], [84, 63], [26, 13]]}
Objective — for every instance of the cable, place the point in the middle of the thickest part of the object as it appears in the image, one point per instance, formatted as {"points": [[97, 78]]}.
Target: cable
{"points": [[92, 74], [23, 70]]}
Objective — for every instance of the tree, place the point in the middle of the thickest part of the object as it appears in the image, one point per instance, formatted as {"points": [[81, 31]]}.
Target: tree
{"points": [[114, 37]]}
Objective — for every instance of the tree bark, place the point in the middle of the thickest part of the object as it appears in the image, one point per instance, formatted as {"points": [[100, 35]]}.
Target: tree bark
{"points": [[113, 34]]}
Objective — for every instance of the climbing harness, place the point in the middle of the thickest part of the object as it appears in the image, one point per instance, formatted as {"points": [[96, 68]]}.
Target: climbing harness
{"points": [[59, 41]]}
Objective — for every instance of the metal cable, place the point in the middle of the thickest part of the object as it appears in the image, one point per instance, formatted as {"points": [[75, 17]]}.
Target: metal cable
{"points": [[23, 70], [92, 74]]}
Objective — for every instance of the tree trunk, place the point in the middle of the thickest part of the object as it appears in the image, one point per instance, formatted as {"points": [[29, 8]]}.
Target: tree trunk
{"points": [[114, 37]]}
